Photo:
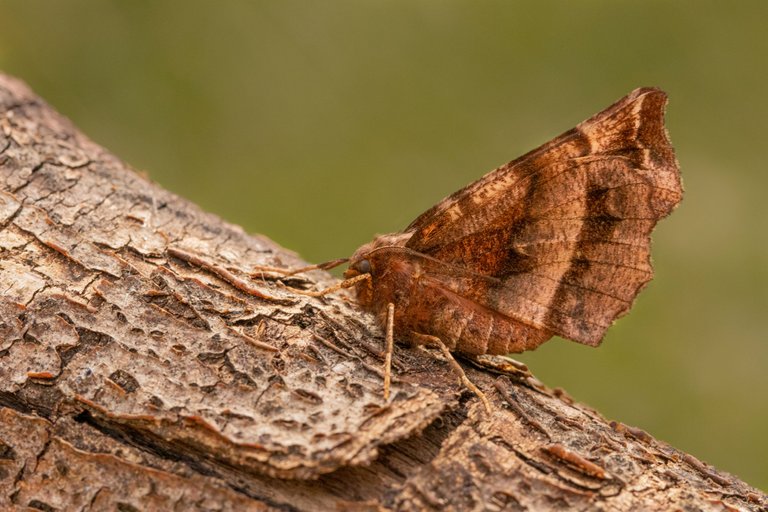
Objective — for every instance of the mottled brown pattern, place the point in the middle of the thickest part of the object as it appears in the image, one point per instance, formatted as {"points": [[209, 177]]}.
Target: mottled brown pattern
{"points": [[554, 242]]}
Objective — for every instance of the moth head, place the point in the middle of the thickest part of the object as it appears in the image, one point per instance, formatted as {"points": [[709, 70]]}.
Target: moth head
{"points": [[361, 266], [359, 263], [372, 260], [367, 258]]}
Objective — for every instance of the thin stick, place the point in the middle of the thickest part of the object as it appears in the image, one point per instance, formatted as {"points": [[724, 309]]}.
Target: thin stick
{"points": [[517, 408], [458, 369], [390, 345], [224, 274], [343, 284]]}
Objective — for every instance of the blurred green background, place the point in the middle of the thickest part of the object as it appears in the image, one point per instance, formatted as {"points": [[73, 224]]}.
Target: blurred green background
{"points": [[320, 124]]}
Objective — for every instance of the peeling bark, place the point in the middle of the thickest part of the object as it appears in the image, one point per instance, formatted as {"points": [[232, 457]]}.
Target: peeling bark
{"points": [[145, 365]]}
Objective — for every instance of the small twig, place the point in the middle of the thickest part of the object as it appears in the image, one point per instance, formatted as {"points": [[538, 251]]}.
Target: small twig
{"points": [[331, 345], [224, 274], [704, 470], [435, 341], [336, 349], [510, 398], [576, 461], [254, 341]]}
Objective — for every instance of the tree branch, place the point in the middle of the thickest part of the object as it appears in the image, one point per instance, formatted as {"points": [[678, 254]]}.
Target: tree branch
{"points": [[146, 364]]}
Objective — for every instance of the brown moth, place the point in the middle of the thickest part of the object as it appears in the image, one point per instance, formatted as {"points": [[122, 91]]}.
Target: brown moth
{"points": [[556, 242]]}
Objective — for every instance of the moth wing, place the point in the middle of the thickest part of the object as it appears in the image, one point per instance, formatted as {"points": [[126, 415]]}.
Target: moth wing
{"points": [[562, 234]]}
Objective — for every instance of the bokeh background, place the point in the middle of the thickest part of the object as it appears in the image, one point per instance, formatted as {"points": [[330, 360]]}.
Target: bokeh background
{"points": [[320, 124]]}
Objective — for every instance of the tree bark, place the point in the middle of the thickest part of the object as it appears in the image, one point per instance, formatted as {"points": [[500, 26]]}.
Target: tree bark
{"points": [[145, 365]]}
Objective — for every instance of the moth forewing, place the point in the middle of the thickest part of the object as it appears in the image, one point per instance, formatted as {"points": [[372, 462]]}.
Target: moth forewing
{"points": [[554, 242]]}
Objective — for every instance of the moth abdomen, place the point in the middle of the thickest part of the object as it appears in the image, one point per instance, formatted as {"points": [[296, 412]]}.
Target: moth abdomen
{"points": [[463, 325]]}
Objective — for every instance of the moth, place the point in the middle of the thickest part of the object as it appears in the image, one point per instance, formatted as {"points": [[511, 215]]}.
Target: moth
{"points": [[555, 242]]}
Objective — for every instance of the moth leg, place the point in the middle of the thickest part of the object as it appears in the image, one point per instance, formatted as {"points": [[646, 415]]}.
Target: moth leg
{"points": [[434, 340], [338, 286], [390, 339], [285, 272]]}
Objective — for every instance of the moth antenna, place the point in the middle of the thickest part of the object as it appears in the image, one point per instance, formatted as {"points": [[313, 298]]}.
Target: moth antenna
{"points": [[327, 265], [434, 340], [390, 344], [338, 286]]}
